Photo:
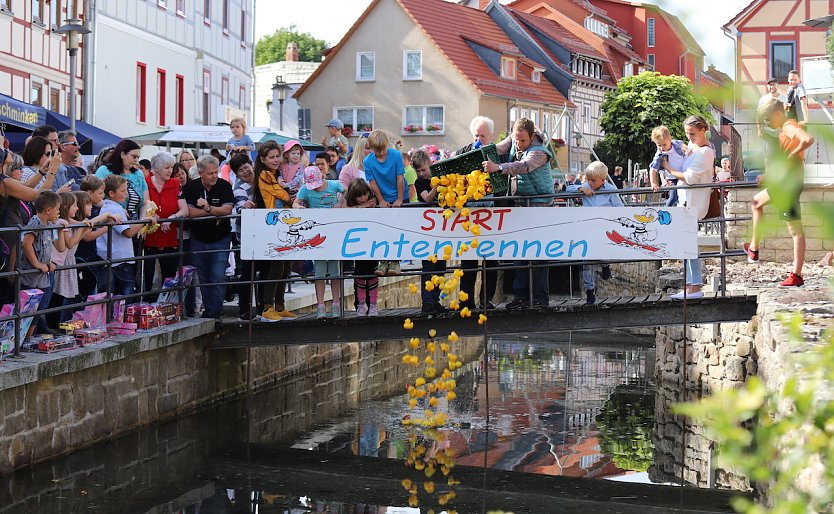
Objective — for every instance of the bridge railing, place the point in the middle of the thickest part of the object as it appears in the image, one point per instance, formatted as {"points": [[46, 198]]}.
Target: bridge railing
{"points": [[13, 281]]}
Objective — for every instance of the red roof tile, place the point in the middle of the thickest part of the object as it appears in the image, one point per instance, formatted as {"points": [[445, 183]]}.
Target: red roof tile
{"points": [[567, 33], [448, 25], [603, 46]]}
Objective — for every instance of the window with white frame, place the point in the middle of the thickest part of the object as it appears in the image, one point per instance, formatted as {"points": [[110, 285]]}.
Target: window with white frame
{"points": [[508, 67], [782, 59], [651, 60], [243, 24], [141, 92], [207, 11], [586, 118], [650, 32], [225, 17], [55, 13], [4, 6], [412, 65], [357, 119], [181, 7], [597, 27], [536, 76], [224, 91], [546, 123], [423, 119], [162, 3], [628, 69], [365, 66], [37, 11], [241, 97]]}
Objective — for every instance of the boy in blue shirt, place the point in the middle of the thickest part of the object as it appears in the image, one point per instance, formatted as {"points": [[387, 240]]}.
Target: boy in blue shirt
{"points": [[385, 172], [319, 193], [671, 149], [595, 175]]}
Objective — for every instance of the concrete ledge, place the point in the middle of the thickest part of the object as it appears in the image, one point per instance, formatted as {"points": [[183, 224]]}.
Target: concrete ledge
{"points": [[15, 372]]}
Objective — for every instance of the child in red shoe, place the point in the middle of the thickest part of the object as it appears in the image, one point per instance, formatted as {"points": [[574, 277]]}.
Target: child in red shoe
{"points": [[787, 168]]}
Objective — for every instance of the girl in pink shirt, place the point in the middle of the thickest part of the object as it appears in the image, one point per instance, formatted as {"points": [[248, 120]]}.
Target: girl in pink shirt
{"points": [[291, 175]]}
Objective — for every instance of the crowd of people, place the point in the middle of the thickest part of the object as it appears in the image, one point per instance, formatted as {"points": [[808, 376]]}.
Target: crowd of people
{"points": [[110, 212]]}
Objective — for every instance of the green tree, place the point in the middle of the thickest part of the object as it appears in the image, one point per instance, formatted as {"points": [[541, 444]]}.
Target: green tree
{"points": [[641, 103], [273, 48]]}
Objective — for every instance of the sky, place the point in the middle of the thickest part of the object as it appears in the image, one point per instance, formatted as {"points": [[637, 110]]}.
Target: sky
{"points": [[330, 20]]}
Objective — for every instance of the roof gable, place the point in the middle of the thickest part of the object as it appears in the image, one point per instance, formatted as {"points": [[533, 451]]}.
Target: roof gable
{"points": [[455, 28], [460, 34], [738, 18]]}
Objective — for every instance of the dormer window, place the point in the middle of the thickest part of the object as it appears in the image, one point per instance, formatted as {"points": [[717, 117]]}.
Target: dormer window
{"points": [[597, 27], [508, 68], [536, 76]]}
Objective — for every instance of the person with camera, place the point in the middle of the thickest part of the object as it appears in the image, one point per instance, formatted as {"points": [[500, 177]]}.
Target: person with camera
{"points": [[670, 152], [39, 158]]}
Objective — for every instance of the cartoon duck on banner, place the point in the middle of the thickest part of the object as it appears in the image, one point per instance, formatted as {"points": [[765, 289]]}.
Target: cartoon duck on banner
{"points": [[289, 237], [642, 232]]}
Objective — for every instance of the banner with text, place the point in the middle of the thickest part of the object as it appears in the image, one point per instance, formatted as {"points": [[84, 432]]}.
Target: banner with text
{"points": [[520, 233]]}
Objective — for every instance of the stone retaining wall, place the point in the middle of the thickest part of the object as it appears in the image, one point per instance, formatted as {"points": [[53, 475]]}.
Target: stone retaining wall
{"points": [[725, 356], [54, 404], [779, 246], [182, 450]]}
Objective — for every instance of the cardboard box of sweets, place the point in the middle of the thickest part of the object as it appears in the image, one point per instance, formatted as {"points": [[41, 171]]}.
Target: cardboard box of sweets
{"points": [[152, 315]]}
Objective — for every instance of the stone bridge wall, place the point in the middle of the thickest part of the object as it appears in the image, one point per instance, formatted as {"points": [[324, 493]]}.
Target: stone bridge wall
{"points": [[724, 356], [182, 450], [50, 405]]}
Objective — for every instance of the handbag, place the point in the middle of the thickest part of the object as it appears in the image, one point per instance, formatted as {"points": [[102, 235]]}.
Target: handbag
{"points": [[714, 210]]}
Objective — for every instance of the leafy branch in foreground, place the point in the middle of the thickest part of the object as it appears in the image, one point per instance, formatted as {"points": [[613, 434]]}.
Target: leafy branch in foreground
{"points": [[781, 440]]}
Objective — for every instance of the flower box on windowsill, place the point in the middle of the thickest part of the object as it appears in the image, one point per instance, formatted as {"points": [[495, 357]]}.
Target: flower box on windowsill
{"points": [[423, 133], [417, 130]]}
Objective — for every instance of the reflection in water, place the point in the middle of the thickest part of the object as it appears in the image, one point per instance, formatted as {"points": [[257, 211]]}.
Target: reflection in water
{"points": [[548, 407]]}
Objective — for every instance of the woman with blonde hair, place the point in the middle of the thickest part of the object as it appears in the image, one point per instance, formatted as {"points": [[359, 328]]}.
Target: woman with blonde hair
{"points": [[355, 168], [697, 168]]}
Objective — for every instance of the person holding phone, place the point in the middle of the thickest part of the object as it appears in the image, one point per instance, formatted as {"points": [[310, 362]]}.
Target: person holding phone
{"points": [[40, 157]]}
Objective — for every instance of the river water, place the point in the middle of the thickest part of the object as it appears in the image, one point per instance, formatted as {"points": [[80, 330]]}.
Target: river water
{"points": [[566, 405]]}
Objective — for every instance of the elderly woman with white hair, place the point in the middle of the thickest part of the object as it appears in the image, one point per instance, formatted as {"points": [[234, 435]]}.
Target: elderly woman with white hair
{"points": [[165, 196]]}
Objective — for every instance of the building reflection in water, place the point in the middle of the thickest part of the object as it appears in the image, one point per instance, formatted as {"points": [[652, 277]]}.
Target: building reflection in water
{"points": [[572, 406], [545, 400]]}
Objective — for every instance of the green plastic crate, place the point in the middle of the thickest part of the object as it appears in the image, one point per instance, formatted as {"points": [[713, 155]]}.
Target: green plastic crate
{"points": [[466, 163]]}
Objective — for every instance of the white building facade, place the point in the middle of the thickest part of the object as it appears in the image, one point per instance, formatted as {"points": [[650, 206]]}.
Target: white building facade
{"points": [[269, 112], [156, 63], [34, 62]]}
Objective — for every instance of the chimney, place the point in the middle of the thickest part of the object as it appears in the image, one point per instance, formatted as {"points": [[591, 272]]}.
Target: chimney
{"points": [[292, 52]]}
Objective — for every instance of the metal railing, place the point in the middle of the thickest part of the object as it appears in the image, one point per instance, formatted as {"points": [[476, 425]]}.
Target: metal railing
{"points": [[13, 279]]}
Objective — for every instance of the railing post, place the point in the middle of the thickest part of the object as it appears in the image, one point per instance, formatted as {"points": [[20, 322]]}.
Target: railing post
{"points": [[18, 336], [181, 261], [109, 263], [721, 233]]}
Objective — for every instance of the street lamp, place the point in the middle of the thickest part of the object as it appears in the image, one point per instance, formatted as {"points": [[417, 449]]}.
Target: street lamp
{"points": [[72, 28], [281, 87]]}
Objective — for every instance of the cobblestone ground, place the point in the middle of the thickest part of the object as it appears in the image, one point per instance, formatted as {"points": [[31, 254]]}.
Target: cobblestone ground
{"points": [[742, 276]]}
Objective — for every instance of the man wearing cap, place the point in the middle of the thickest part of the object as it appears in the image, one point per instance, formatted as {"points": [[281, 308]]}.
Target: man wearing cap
{"points": [[772, 92], [335, 137]]}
